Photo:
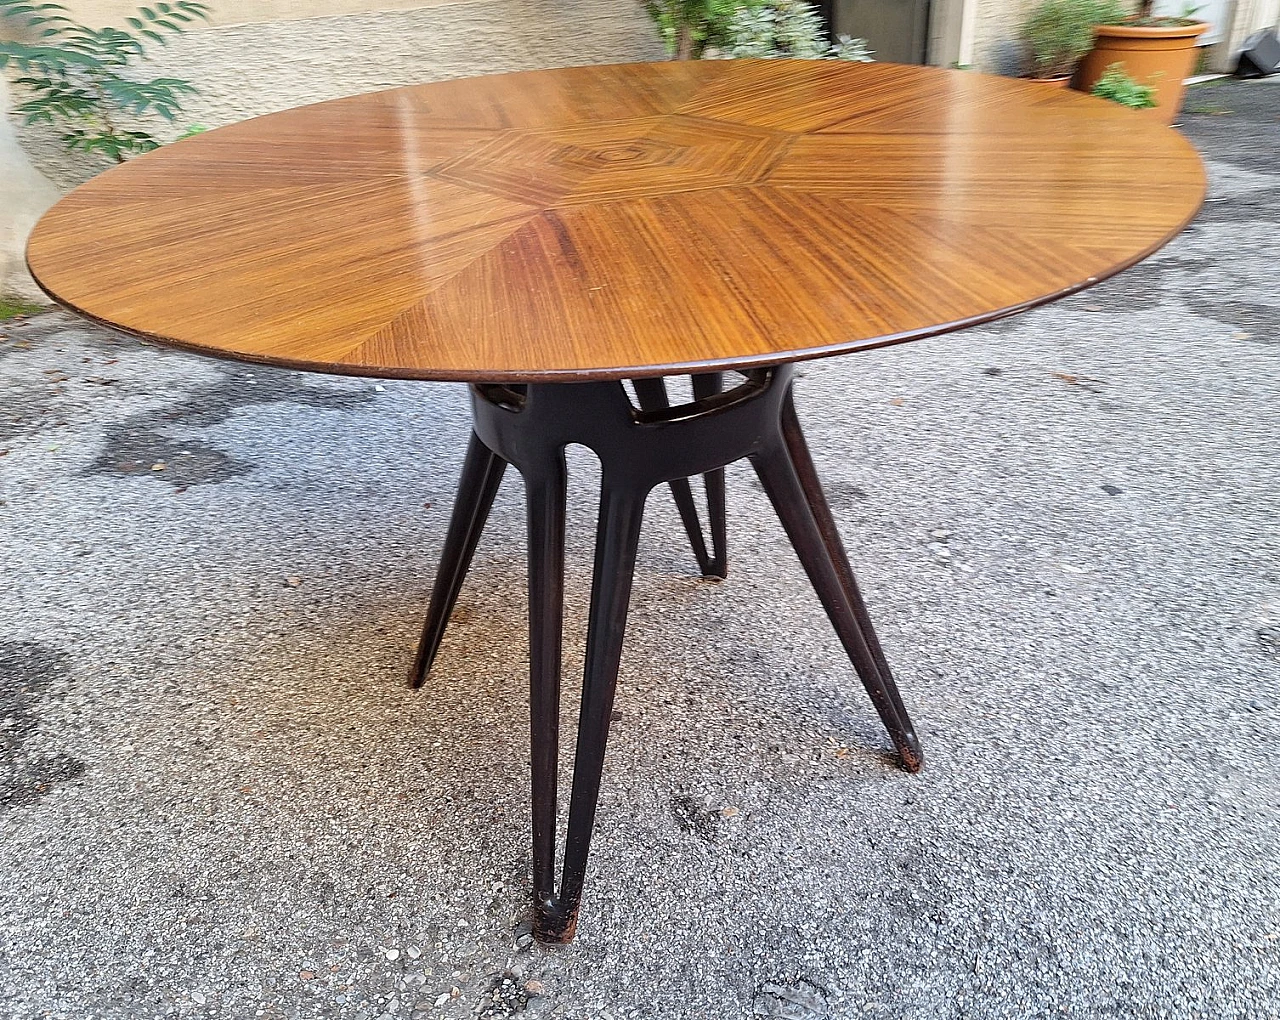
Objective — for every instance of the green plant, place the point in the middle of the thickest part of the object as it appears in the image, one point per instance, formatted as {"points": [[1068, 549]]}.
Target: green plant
{"points": [[1059, 32], [785, 28], [1146, 16], [12, 308], [688, 27], [77, 77], [1117, 86]]}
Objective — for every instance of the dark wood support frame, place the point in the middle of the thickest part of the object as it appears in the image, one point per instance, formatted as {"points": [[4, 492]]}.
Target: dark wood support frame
{"points": [[640, 447]]}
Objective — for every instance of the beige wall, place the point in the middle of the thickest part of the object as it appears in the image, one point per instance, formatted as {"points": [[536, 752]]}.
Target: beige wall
{"points": [[24, 194], [243, 12], [995, 34]]}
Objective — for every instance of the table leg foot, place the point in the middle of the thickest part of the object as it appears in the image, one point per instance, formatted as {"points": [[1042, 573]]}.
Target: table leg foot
{"points": [[482, 472], [553, 924]]}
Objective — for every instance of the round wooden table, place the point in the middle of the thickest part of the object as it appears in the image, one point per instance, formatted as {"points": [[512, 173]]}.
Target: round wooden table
{"points": [[545, 235]]}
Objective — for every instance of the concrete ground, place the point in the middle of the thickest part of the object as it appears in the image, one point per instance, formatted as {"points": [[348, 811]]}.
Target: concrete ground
{"points": [[219, 799]]}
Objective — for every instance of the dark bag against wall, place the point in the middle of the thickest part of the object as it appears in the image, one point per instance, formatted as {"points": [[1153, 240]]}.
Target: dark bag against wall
{"points": [[1260, 56]]}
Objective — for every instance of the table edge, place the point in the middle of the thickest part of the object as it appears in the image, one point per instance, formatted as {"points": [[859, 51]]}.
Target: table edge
{"points": [[632, 371]]}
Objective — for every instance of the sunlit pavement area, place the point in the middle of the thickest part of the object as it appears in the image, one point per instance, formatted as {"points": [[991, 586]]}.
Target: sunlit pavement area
{"points": [[218, 797]]}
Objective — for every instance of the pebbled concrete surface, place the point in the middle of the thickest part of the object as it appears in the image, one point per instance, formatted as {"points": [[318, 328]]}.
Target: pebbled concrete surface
{"points": [[219, 800]]}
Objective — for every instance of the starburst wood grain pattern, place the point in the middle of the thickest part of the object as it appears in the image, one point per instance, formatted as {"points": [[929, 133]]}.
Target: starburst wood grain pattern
{"points": [[619, 221]]}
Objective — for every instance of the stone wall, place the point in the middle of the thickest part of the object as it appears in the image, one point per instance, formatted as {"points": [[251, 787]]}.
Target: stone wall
{"points": [[996, 47]]}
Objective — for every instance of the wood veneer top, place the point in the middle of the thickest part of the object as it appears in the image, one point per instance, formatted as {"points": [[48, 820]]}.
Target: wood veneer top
{"points": [[619, 221]]}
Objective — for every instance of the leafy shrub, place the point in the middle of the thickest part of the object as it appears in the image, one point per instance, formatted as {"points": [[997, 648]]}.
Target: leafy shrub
{"points": [[1059, 32], [1117, 86], [77, 77], [747, 28], [770, 29], [688, 27]]}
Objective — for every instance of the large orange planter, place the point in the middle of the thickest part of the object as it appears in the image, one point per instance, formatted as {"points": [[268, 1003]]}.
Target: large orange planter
{"points": [[1162, 57]]}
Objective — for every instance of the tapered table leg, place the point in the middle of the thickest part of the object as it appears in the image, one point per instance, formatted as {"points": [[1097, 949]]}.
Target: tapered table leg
{"points": [[621, 511], [782, 483], [708, 384], [482, 472], [802, 461], [545, 502], [652, 396]]}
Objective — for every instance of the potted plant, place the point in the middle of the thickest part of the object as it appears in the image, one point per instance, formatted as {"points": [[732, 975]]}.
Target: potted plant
{"points": [[1155, 51], [1058, 33]]}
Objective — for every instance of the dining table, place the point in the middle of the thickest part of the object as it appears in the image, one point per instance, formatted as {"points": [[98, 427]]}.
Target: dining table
{"points": [[567, 241]]}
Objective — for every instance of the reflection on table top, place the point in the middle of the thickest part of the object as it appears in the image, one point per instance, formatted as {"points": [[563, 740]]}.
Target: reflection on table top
{"points": [[620, 220]]}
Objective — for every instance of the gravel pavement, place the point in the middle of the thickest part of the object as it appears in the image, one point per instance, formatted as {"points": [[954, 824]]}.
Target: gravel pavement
{"points": [[218, 798]]}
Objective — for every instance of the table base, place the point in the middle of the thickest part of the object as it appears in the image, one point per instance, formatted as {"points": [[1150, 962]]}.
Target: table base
{"points": [[639, 447]]}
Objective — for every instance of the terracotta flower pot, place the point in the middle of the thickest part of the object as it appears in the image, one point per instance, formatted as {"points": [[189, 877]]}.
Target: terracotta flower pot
{"points": [[1160, 56]]}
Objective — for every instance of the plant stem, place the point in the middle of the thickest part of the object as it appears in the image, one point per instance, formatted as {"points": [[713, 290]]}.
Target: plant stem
{"points": [[684, 43], [106, 120]]}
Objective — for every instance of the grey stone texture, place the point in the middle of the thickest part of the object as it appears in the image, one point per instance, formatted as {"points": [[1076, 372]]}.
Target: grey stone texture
{"points": [[222, 801]]}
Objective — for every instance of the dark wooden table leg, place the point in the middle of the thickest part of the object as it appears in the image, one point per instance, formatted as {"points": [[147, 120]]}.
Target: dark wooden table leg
{"points": [[617, 536], [544, 480], [802, 461], [708, 384], [652, 396], [482, 472], [828, 569]]}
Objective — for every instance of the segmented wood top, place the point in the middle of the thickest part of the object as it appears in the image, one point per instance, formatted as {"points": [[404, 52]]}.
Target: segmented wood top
{"points": [[619, 221]]}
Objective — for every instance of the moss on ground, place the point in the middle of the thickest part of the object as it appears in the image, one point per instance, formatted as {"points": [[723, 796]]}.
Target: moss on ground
{"points": [[11, 308]]}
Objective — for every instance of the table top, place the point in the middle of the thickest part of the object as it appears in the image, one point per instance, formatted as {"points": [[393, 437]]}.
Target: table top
{"points": [[619, 221]]}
